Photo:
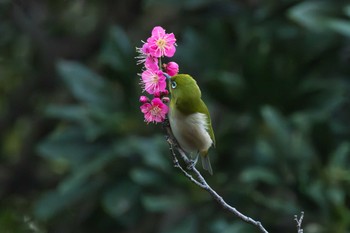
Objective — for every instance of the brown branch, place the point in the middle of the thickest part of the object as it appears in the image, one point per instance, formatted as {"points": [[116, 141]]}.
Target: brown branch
{"points": [[201, 182]]}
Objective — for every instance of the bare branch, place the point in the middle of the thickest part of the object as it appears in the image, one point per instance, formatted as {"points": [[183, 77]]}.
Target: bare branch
{"points": [[201, 182], [299, 222], [177, 164]]}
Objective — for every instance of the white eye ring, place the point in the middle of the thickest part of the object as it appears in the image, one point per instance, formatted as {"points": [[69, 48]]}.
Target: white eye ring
{"points": [[173, 84]]}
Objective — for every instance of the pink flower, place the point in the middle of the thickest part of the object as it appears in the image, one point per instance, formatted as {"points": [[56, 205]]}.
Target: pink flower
{"points": [[146, 58], [144, 99], [154, 111], [172, 68], [165, 92], [154, 81], [161, 93], [161, 43], [143, 54], [151, 63]]}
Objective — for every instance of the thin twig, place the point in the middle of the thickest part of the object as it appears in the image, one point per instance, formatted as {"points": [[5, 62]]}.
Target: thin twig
{"points": [[201, 182], [177, 164], [299, 222]]}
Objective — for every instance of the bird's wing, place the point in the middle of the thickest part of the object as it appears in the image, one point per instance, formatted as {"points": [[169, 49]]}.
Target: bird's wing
{"points": [[203, 109]]}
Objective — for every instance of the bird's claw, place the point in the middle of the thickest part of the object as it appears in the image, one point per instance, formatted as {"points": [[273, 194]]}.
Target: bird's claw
{"points": [[192, 163]]}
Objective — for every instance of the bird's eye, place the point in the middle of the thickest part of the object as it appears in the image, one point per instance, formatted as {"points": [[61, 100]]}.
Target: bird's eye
{"points": [[173, 85]]}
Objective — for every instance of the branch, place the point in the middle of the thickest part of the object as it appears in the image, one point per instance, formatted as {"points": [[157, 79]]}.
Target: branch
{"points": [[177, 164], [200, 181], [299, 222]]}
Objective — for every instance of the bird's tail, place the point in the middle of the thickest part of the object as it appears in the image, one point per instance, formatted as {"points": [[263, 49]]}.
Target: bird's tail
{"points": [[206, 162]]}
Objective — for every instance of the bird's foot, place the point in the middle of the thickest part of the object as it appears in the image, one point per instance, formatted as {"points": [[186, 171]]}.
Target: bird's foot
{"points": [[192, 163]]}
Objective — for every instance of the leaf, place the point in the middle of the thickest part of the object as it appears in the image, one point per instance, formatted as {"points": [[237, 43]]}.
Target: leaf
{"points": [[188, 225], [87, 86], [145, 177], [347, 10], [276, 125], [154, 153], [340, 157], [93, 123], [223, 226], [117, 50], [175, 3], [157, 203], [317, 16], [231, 85], [237, 228], [310, 14], [152, 150], [69, 144], [276, 203], [120, 201], [340, 26], [259, 174], [90, 168], [336, 195], [316, 192], [265, 151], [68, 112], [54, 202]]}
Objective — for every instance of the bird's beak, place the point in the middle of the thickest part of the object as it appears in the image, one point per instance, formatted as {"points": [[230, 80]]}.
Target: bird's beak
{"points": [[166, 75]]}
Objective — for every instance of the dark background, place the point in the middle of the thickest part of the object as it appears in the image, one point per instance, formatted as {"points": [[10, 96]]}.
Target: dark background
{"points": [[76, 156]]}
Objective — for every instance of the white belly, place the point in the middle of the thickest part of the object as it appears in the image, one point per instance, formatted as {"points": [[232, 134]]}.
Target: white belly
{"points": [[190, 131]]}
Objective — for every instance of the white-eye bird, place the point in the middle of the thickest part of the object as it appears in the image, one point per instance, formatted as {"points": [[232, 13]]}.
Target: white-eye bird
{"points": [[190, 119]]}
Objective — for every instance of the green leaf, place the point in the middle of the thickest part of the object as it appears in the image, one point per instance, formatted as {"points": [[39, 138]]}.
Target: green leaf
{"points": [[87, 86], [231, 85], [54, 202], [163, 203], [275, 202], [340, 26], [92, 167], [117, 50], [265, 151], [68, 144], [336, 195], [340, 157], [317, 16], [310, 14], [152, 150], [223, 226], [68, 112], [347, 10], [120, 201], [276, 124], [237, 228], [94, 123], [188, 225], [316, 191], [145, 177], [259, 174]]}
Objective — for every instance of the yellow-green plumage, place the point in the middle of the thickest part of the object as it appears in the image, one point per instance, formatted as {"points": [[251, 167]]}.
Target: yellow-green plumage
{"points": [[190, 119]]}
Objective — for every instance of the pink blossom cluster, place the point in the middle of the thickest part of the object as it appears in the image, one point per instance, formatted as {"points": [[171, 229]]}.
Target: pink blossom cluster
{"points": [[153, 77]]}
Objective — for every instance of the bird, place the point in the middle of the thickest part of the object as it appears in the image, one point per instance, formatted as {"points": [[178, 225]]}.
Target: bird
{"points": [[190, 120]]}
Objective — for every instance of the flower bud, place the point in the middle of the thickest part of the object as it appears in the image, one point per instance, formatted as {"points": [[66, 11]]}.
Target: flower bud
{"points": [[172, 68], [165, 99], [165, 92], [144, 99]]}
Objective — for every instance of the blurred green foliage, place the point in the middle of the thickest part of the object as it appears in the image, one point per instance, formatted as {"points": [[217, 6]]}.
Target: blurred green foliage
{"points": [[76, 155]]}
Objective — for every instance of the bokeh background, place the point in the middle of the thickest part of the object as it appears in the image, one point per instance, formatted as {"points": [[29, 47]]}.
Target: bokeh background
{"points": [[76, 156]]}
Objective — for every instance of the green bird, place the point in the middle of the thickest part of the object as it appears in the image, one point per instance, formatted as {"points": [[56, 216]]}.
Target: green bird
{"points": [[190, 119]]}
